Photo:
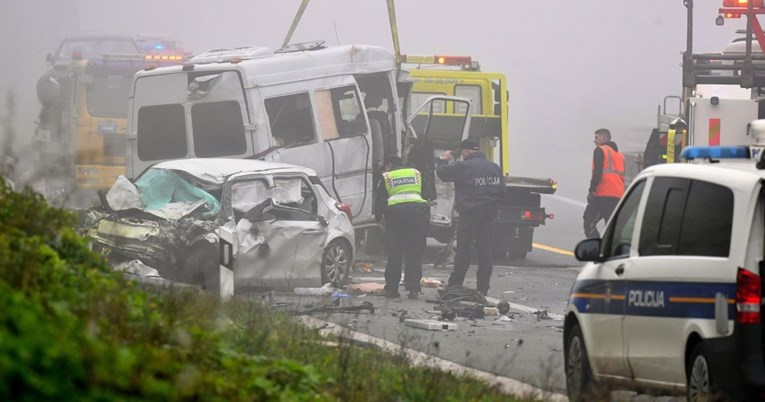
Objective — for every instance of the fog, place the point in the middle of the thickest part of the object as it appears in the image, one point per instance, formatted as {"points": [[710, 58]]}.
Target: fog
{"points": [[572, 66]]}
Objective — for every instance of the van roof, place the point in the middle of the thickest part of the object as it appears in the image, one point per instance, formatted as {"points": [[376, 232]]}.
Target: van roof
{"points": [[739, 174], [262, 66], [215, 170]]}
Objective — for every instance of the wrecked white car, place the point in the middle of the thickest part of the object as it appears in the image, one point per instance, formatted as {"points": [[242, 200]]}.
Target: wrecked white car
{"points": [[274, 225]]}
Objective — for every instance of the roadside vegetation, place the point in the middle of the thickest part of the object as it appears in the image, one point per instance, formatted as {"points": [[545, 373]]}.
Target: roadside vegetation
{"points": [[73, 329]]}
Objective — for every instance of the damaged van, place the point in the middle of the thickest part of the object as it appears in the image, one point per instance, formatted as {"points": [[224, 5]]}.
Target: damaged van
{"points": [[337, 110], [226, 224]]}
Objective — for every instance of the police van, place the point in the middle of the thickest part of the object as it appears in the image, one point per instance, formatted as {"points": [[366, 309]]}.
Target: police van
{"points": [[670, 300]]}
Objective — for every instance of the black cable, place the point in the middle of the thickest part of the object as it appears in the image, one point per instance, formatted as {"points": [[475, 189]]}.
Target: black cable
{"points": [[366, 171], [332, 151]]}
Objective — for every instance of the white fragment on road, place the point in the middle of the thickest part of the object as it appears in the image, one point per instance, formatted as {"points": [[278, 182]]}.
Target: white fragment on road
{"points": [[431, 325]]}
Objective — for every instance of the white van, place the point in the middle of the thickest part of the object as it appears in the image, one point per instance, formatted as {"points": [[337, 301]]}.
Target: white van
{"points": [[336, 110], [671, 297]]}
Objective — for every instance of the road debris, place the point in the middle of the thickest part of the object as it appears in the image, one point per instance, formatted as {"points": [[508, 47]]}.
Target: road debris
{"points": [[431, 325]]}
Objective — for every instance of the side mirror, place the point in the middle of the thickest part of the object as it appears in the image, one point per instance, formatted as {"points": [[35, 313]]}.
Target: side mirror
{"points": [[49, 58], [588, 250], [322, 221]]}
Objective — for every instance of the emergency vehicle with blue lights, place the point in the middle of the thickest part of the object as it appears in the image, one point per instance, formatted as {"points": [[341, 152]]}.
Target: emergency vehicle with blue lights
{"points": [[80, 136], [670, 299]]}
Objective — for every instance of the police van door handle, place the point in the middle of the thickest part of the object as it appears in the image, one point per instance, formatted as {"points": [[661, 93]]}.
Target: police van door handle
{"points": [[619, 270]]}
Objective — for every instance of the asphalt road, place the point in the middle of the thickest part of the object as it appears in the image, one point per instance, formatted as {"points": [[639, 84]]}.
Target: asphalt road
{"points": [[525, 345]]}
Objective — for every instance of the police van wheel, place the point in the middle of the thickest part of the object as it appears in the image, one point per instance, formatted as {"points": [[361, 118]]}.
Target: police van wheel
{"points": [[578, 373], [699, 381]]}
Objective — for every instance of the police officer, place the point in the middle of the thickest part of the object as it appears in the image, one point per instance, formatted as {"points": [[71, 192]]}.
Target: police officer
{"points": [[403, 214], [607, 183], [478, 185]]}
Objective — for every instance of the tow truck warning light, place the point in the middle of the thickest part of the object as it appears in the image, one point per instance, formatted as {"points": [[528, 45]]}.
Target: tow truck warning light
{"points": [[437, 59], [741, 3]]}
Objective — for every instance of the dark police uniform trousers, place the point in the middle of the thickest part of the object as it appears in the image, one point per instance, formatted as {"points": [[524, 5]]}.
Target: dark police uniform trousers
{"points": [[475, 226], [405, 231]]}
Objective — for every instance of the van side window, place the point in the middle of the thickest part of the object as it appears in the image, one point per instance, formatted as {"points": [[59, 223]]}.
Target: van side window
{"points": [[687, 217], [161, 132], [663, 216], [708, 221], [618, 239], [291, 119], [340, 113], [218, 129]]}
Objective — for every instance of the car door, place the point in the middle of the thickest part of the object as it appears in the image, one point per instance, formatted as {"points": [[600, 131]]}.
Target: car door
{"points": [[280, 236], [439, 124], [677, 280], [605, 293]]}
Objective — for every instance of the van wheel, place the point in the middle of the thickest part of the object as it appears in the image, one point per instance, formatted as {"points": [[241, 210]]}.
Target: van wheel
{"points": [[336, 263], [699, 382], [578, 373]]}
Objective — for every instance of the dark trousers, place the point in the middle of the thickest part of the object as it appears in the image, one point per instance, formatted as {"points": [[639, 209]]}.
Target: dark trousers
{"points": [[598, 208], [474, 226], [405, 229]]}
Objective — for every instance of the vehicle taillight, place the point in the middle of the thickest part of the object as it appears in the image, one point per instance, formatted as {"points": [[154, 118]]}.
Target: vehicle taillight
{"points": [[748, 296], [532, 215], [345, 208]]}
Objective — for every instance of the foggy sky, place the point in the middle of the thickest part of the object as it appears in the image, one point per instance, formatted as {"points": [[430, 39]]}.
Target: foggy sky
{"points": [[572, 66]]}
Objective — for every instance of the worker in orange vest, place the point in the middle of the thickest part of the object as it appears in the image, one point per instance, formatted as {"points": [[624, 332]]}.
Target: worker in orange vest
{"points": [[607, 183]]}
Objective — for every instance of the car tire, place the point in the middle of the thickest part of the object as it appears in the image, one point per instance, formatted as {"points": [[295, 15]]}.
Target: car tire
{"points": [[336, 263], [577, 367], [699, 384]]}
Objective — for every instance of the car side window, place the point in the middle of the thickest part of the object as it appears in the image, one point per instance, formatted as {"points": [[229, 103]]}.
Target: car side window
{"points": [[619, 235], [291, 119]]}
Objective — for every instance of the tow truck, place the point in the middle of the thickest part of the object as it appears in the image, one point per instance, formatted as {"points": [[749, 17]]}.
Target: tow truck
{"points": [[461, 76], [80, 135], [722, 92]]}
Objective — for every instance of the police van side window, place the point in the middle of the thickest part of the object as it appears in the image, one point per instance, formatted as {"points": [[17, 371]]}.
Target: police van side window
{"points": [[708, 221], [687, 217], [663, 215], [619, 236], [291, 119]]}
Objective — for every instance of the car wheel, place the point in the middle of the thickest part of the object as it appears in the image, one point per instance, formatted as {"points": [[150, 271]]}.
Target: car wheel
{"points": [[336, 263], [699, 381], [578, 373]]}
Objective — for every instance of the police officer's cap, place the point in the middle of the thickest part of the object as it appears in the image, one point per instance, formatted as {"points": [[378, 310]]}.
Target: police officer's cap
{"points": [[393, 160], [469, 144]]}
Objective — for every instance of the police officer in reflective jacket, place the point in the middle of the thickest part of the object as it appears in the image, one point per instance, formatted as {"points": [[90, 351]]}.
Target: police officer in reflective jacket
{"points": [[478, 185], [403, 214]]}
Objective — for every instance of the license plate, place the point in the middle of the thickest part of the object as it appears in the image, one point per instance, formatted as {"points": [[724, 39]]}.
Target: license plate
{"points": [[107, 127]]}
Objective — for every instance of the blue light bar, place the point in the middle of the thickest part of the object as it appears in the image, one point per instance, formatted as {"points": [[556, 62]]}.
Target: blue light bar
{"points": [[728, 152]]}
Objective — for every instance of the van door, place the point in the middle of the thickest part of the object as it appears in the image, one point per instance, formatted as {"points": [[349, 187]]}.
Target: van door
{"points": [[329, 135], [184, 115], [439, 124], [605, 294], [280, 235], [681, 273]]}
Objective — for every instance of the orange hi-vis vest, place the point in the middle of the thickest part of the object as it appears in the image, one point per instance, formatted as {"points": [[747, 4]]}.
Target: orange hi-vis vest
{"points": [[612, 180]]}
